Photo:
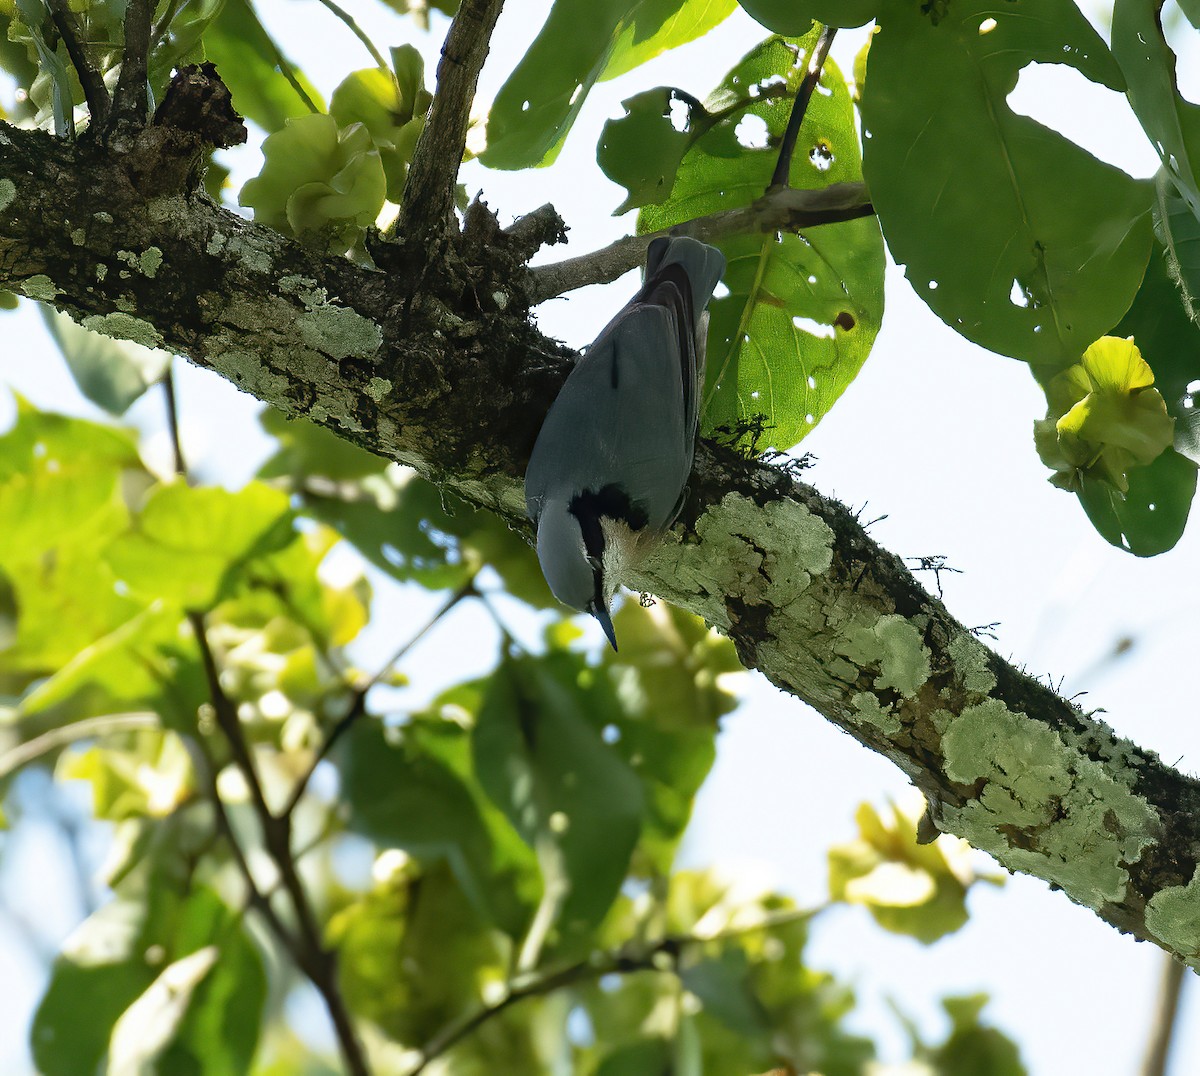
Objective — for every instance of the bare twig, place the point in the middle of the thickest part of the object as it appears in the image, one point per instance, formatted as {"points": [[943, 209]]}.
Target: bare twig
{"points": [[168, 384], [318, 963], [358, 704], [1166, 1012], [130, 102], [94, 90], [812, 76], [13, 760], [779, 210], [429, 190], [663, 955], [345, 16]]}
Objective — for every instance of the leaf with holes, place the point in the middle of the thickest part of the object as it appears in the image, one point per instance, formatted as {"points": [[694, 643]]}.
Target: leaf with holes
{"points": [[802, 311], [583, 42], [1014, 236]]}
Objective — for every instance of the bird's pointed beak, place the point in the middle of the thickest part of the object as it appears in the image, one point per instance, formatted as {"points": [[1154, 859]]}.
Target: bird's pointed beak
{"points": [[600, 612]]}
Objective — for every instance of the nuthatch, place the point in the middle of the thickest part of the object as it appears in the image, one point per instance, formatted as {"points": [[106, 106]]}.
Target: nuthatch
{"points": [[608, 472]]}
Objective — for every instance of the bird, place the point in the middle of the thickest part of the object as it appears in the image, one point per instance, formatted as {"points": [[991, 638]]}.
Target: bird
{"points": [[609, 469]]}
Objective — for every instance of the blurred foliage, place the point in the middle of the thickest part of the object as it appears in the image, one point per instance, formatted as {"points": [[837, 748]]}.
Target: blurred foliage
{"points": [[523, 827]]}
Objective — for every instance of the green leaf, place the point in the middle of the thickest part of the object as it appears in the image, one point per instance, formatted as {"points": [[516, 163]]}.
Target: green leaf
{"points": [[582, 42], [972, 1048], [391, 108], [256, 72], [149, 774], [146, 663], [59, 482], [572, 798], [666, 714], [213, 532], [1177, 228], [318, 178], [1014, 236], [909, 887], [1105, 417], [1170, 342], [414, 953], [126, 969], [1148, 63], [1149, 518], [642, 151], [795, 16], [802, 311], [390, 779], [111, 373]]}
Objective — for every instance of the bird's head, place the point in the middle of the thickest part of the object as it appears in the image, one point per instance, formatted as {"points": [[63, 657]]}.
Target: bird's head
{"points": [[581, 560]]}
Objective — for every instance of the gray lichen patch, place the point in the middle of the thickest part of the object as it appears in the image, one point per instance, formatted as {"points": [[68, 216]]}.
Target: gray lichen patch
{"points": [[8, 193], [868, 708], [147, 262], [251, 252], [339, 332], [1173, 917], [892, 645], [1080, 825], [378, 388], [124, 327], [970, 660], [40, 287]]}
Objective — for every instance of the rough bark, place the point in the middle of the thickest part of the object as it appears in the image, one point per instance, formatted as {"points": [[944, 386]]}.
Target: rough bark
{"points": [[436, 363]]}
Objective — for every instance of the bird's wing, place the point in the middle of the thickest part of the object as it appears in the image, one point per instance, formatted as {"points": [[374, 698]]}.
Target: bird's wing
{"points": [[620, 420]]}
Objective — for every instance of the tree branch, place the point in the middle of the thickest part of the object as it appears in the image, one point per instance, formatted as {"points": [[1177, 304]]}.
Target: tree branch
{"points": [[130, 102], [454, 380], [664, 955], [95, 93], [318, 962], [781, 209], [429, 191], [783, 166], [1166, 1014]]}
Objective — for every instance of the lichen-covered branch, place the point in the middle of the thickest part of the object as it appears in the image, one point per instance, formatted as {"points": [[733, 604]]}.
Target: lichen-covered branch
{"points": [[429, 190], [781, 209], [450, 377]]}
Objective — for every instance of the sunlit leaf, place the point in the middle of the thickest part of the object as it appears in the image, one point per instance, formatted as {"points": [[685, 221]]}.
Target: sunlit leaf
{"points": [[909, 887], [802, 311], [318, 178], [582, 42], [1015, 237], [212, 531]]}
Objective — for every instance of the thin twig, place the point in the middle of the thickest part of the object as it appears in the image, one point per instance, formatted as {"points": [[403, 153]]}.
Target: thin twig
{"points": [[256, 897], [319, 963], [130, 102], [429, 191], [812, 76], [357, 31], [25, 753], [664, 955], [168, 383], [95, 93], [1166, 1012], [358, 704], [781, 209]]}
